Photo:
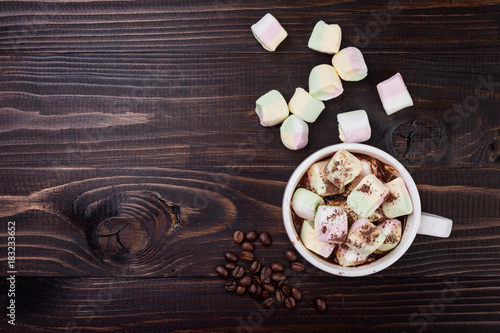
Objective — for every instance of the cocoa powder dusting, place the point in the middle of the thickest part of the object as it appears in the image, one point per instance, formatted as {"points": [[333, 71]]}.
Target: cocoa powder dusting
{"points": [[364, 188]]}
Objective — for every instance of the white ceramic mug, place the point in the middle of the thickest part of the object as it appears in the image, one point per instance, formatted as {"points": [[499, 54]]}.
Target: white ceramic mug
{"points": [[416, 223]]}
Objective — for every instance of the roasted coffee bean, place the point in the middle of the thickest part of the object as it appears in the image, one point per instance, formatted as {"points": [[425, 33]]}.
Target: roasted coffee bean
{"points": [[282, 283], [320, 304], [268, 303], [222, 271], [269, 287], [291, 255], [258, 292], [231, 285], [277, 267], [278, 276], [286, 290], [230, 266], [280, 296], [265, 238], [245, 281], [255, 267], [247, 256], [238, 272], [265, 294], [247, 246], [240, 290], [252, 235], [265, 274], [252, 289], [230, 256], [298, 266], [256, 280], [290, 302], [238, 236], [296, 293]]}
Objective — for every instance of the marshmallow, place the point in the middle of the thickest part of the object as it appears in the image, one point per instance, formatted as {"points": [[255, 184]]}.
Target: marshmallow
{"points": [[398, 203], [348, 257], [305, 106], [269, 32], [305, 203], [364, 237], [342, 168], [393, 94], [271, 108], [330, 224], [392, 230], [367, 196], [319, 183], [350, 64], [294, 133], [325, 38], [310, 240], [324, 83], [354, 126]]}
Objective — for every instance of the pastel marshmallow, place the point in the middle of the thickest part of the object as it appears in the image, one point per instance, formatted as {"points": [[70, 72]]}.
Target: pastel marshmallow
{"points": [[310, 240], [324, 83], [347, 257], [367, 196], [269, 32], [392, 229], [394, 94], [319, 183], [342, 168], [325, 38], [350, 64], [364, 237], [305, 106], [354, 126], [330, 224], [305, 203], [294, 133], [398, 203], [271, 108]]}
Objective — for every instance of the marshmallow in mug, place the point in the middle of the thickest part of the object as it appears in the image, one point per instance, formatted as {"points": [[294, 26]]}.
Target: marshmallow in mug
{"points": [[394, 94], [364, 237], [330, 224], [318, 181], [305, 106], [269, 32], [325, 38], [324, 83], [350, 64], [309, 238], [354, 126], [342, 168], [305, 203], [367, 196], [392, 229], [348, 257], [271, 108], [294, 133], [398, 203]]}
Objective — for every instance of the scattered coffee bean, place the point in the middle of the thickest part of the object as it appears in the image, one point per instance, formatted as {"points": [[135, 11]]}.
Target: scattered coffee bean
{"points": [[298, 266], [247, 256], [265, 238], [247, 246], [286, 290], [320, 304], [230, 266], [238, 272], [290, 302], [278, 276], [291, 255], [280, 297], [265, 274], [245, 281], [265, 294], [240, 290], [252, 235], [282, 283], [230, 256], [277, 267], [231, 285], [256, 280], [222, 271], [255, 267], [258, 292], [252, 289], [238, 236], [269, 287], [296, 294], [268, 303]]}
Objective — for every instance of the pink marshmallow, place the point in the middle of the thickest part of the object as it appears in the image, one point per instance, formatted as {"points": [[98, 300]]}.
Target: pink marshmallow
{"points": [[393, 94], [330, 224]]}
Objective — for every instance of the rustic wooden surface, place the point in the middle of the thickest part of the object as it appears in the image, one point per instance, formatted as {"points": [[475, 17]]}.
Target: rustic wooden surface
{"points": [[143, 111]]}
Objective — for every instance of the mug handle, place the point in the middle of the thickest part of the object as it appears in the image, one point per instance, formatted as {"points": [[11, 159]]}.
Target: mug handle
{"points": [[435, 225]]}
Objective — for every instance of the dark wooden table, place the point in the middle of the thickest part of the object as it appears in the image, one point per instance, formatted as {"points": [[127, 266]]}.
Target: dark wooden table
{"points": [[130, 152]]}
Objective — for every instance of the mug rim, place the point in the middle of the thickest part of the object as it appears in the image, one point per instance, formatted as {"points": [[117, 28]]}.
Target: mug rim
{"points": [[408, 235]]}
